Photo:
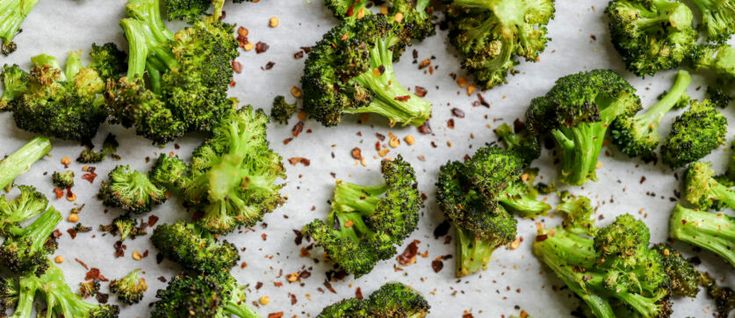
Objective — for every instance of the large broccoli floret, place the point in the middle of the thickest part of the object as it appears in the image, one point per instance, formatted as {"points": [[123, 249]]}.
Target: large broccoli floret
{"points": [[492, 35], [577, 112], [193, 295], [131, 191], [637, 136], [718, 18], [169, 172], [20, 161], [694, 134], [130, 288], [28, 204], [703, 191], [714, 232], [26, 249], [367, 222], [350, 71], [684, 278], [194, 248], [717, 59], [392, 300], [651, 35], [189, 10], [411, 17], [108, 60], [12, 15]]}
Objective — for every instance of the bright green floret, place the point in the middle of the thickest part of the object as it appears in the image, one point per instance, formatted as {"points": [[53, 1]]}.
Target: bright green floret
{"points": [[714, 232], [131, 191], [392, 300], [28, 204], [189, 10], [637, 136], [694, 134], [410, 17], [519, 140], [717, 59], [577, 112], [718, 18], [26, 249], [492, 35], [63, 179], [130, 288], [108, 60], [169, 172], [15, 82], [12, 15], [366, 223], [703, 191], [651, 36], [282, 110], [194, 248]]}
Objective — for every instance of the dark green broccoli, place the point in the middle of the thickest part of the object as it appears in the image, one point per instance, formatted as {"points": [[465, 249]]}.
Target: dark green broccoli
{"points": [[282, 110], [131, 191], [493, 35], [651, 35], [194, 248], [411, 17], [108, 60], [192, 295], [27, 205], [724, 297], [714, 232], [350, 71], [637, 136], [125, 226], [188, 10], [15, 83], [694, 134], [61, 301], [703, 191], [684, 278], [20, 161], [63, 179], [577, 112], [109, 148], [717, 59], [519, 139], [129, 289], [26, 249], [366, 223], [169, 172], [12, 15], [392, 300], [718, 18]]}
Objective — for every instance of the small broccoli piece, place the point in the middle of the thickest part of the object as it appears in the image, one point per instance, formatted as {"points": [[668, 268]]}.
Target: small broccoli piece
{"points": [[126, 226], [714, 232], [718, 95], [492, 35], [350, 71], [350, 307], [577, 212], [12, 15], [717, 59], [651, 35], [718, 18], [15, 83], [63, 179], [703, 191], [129, 289], [684, 278], [108, 60], [724, 297], [282, 110], [367, 222], [20, 161], [577, 112], [637, 136], [89, 288], [27, 205], [131, 191], [519, 139], [25, 250], [169, 172], [694, 134], [187, 10], [392, 300], [348, 9], [194, 248], [109, 148], [191, 295]]}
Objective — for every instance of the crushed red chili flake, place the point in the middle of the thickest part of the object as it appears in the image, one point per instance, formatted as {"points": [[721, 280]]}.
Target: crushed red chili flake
{"points": [[236, 67], [356, 153], [59, 193], [298, 55], [541, 237], [380, 136], [72, 232], [264, 236], [456, 112], [95, 274], [243, 265], [425, 129], [482, 101], [81, 263], [102, 298], [89, 176], [420, 91], [424, 63], [268, 66], [287, 140], [297, 129], [467, 314], [299, 237], [261, 47], [408, 256], [358, 293], [275, 314], [258, 285], [152, 220], [402, 98], [442, 229], [293, 299], [450, 123], [56, 233], [296, 160], [329, 287], [119, 249], [437, 264]]}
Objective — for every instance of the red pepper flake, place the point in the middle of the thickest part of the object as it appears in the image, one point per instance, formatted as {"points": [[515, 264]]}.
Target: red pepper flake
{"points": [[356, 153], [261, 47], [152, 220], [95, 274], [424, 63], [298, 55], [457, 112], [541, 237], [59, 193], [293, 299], [297, 129], [275, 314], [258, 285], [72, 232], [244, 265], [402, 98], [380, 136], [287, 140], [329, 287], [296, 160], [278, 284], [408, 256], [425, 129], [420, 91], [264, 236], [56, 234], [237, 67], [467, 314], [82, 263], [89, 176], [119, 249], [450, 123], [268, 66], [358, 293], [481, 100]]}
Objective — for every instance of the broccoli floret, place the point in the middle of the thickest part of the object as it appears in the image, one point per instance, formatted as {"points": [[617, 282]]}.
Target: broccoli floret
{"points": [[25, 250], [651, 35], [703, 191], [412, 18], [519, 139], [684, 278], [12, 15], [27, 205], [637, 136], [20, 161], [190, 10], [694, 134], [125, 226], [108, 60], [724, 297], [718, 18], [350, 71], [89, 288], [717, 59], [194, 248], [367, 222], [577, 112], [169, 172], [15, 83], [129, 289], [109, 148], [282, 110], [234, 174], [192, 295], [492, 35], [718, 95], [348, 9], [392, 300], [714, 232], [52, 288], [63, 179], [350, 307], [131, 191]]}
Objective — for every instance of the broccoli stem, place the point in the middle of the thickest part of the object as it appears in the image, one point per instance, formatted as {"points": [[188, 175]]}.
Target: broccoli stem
{"points": [[12, 15], [714, 232], [350, 197], [26, 298], [581, 146], [474, 252], [651, 117], [647, 307], [146, 52], [39, 231], [240, 310], [21, 160], [724, 194], [521, 202], [390, 99], [73, 64]]}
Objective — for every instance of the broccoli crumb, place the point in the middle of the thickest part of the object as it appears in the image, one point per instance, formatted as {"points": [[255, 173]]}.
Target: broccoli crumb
{"points": [[282, 110]]}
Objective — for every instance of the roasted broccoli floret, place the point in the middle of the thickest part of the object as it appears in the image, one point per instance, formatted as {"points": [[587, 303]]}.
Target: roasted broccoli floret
{"points": [[492, 35], [194, 248], [366, 223], [703, 191], [28, 204], [109, 149], [411, 17], [12, 15], [63, 179], [718, 18], [89, 288], [51, 287], [129, 289], [189, 10], [694, 134], [717, 59], [577, 112], [724, 297], [637, 136], [714, 232], [519, 140], [131, 191], [26, 249], [684, 278], [108, 60], [282, 110], [192, 295], [169, 172], [392, 300], [20, 161], [651, 35], [126, 226], [15, 82], [350, 71]]}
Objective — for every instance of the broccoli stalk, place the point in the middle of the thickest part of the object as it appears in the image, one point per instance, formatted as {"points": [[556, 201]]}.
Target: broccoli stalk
{"points": [[718, 18], [12, 15], [26, 249], [20, 161], [714, 232], [703, 191], [15, 83], [580, 148], [130, 288], [473, 251]]}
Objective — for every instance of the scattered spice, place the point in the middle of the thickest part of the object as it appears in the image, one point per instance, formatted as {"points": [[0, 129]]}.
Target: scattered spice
{"points": [[296, 160], [264, 300], [273, 22], [356, 153], [408, 256], [58, 259], [261, 47]]}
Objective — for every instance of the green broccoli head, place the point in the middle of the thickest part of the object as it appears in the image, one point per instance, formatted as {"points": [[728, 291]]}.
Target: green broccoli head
{"points": [[350, 71], [194, 248], [577, 112], [703, 191], [28, 204], [519, 140], [714, 232], [63, 179], [25, 250], [367, 222], [350, 307], [577, 211], [694, 134], [411, 18], [130, 288], [651, 35], [282, 110], [169, 172], [109, 149], [718, 18], [389, 301], [15, 84], [12, 15], [493, 35], [684, 278], [637, 136], [130, 190], [126, 226], [723, 296], [718, 59], [108, 60], [187, 10]]}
